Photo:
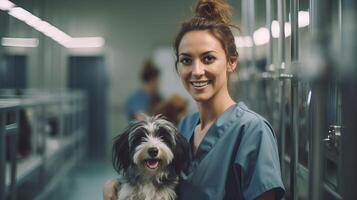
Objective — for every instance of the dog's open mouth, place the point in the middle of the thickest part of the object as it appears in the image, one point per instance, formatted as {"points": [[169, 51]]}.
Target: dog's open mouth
{"points": [[152, 163]]}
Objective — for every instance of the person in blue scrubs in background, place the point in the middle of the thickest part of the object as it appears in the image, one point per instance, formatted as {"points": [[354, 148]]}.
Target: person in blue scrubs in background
{"points": [[234, 150], [143, 100]]}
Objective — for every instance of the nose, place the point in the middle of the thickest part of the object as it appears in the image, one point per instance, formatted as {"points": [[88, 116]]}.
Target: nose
{"points": [[197, 69], [153, 151]]}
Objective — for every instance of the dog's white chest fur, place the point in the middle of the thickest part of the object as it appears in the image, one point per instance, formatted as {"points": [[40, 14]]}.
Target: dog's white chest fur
{"points": [[146, 192]]}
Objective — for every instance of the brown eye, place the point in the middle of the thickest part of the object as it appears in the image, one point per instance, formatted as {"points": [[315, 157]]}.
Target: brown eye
{"points": [[186, 61], [208, 59]]}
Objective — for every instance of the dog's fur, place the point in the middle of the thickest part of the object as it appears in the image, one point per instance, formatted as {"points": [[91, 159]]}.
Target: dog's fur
{"points": [[149, 156]]}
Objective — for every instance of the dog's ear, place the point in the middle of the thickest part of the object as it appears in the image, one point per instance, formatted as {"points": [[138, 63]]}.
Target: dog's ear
{"points": [[181, 153], [120, 152]]}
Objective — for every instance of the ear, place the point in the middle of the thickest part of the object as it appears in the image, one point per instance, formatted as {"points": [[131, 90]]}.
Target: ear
{"points": [[232, 63], [181, 153], [120, 152]]}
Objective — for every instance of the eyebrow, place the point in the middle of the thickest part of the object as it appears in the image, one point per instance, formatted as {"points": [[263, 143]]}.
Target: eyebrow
{"points": [[207, 52], [204, 53], [184, 54]]}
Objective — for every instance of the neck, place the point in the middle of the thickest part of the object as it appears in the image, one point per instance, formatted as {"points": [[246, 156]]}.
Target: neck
{"points": [[211, 109], [147, 89]]}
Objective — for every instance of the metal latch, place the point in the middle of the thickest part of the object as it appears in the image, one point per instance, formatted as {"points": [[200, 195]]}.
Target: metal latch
{"points": [[333, 137]]}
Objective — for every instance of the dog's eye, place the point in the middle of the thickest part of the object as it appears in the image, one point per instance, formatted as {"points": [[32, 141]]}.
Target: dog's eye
{"points": [[165, 137], [162, 138], [137, 141]]}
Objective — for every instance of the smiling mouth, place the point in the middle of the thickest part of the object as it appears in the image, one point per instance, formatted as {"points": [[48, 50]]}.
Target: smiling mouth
{"points": [[200, 84], [152, 163]]}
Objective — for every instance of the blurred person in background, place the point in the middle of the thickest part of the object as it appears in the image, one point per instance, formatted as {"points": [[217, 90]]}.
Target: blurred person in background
{"points": [[143, 100]]}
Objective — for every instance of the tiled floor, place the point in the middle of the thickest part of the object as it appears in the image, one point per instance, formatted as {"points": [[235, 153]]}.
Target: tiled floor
{"points": [[86, 181]]}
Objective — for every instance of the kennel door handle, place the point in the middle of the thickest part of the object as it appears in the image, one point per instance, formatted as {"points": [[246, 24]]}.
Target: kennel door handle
{"points": [[333, 137]]}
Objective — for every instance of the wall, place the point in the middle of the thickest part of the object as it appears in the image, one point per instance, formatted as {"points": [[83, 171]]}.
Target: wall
{"points": [[133, 31]]}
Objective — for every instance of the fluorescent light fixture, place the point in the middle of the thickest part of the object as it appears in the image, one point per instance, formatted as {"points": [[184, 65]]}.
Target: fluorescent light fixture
{"points": [[59, 36], [86, 42], [42, 26], [47, 29], [50, 30], [304, 19], [19, 13], [33, 21], [261, 36], [6, 5], [19, 42]]}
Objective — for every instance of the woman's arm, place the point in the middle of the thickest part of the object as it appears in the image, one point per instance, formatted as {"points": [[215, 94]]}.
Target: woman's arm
{"points": [[110, 190]]}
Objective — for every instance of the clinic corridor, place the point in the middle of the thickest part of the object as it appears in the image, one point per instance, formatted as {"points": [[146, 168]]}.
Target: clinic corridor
{"points": [[85, 181], [275, 79]]}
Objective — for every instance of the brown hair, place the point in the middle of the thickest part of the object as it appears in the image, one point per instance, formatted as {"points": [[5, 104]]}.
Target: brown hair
{"points": [[213, 16], [149, 72]]}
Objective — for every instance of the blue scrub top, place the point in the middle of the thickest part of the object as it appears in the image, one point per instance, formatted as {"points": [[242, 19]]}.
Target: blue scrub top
{"points": [[237, 158], [138, 101]]}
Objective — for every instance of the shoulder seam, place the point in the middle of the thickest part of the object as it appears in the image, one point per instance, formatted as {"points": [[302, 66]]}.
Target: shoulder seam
{"points": [[258, 117]]}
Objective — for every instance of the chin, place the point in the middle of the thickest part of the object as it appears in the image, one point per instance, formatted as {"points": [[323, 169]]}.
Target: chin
{"points": [[149, 156], [201, 97]]}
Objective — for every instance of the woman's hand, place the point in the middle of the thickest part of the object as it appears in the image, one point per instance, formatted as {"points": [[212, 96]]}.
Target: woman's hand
{"points": [[110, 190]]}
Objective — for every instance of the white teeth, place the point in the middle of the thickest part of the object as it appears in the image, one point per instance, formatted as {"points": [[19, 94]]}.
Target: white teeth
{"points": [[199, 84]]}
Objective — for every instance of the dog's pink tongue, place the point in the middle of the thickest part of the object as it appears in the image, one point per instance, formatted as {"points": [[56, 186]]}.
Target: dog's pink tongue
{"points": [[152, 164]]}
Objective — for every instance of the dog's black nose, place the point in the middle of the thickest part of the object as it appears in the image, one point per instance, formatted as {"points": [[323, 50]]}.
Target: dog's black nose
{"points": [[153, 151]]}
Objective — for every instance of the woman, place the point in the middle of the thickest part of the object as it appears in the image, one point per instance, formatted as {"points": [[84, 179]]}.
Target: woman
{"points": [[234, 151]]}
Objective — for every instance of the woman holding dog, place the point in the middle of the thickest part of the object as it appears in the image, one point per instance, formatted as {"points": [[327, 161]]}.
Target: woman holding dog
{"points": [[234, 150]]}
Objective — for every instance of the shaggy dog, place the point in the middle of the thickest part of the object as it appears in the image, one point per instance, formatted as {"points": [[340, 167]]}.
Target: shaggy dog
{"points": [[149, 156]]}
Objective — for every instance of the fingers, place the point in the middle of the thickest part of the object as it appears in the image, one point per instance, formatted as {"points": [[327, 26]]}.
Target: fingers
{"points": [[110, 190]]}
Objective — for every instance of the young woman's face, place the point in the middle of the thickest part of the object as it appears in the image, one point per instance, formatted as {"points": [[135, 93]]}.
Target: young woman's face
{"points": [[202, 65]]}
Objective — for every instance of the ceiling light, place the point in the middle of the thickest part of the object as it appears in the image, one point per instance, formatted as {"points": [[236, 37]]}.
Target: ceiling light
{"points": [[6, 5], [42, 26], [19, 13], [86, 42], [19, 42], [32, 20], [47, 29]]}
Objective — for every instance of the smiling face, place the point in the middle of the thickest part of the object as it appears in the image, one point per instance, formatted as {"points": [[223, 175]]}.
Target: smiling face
{"points": [[151, 144], [203, 65]]}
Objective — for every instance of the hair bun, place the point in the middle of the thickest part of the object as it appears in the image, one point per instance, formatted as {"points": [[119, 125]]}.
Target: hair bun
{"points": [[214, 10]]}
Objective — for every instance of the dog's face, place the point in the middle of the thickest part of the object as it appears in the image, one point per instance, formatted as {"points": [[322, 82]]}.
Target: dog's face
{"points": [[150, 145]]}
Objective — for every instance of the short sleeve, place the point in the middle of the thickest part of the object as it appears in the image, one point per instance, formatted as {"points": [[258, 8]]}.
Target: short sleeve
{"points": [[137, 102], [134, 106], [257, 161]]}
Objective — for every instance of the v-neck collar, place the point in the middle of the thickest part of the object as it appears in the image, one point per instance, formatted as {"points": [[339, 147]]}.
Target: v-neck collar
{"points": [[213, 133]]}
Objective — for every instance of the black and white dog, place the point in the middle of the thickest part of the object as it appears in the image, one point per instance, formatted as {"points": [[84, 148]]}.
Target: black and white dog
{"points": [[149, 156]]}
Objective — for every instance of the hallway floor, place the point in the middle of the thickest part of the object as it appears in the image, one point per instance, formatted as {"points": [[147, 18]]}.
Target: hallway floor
{"points": [[86, 181]]}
